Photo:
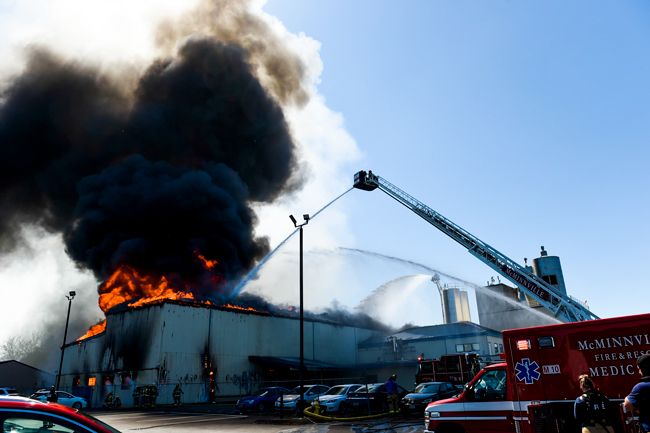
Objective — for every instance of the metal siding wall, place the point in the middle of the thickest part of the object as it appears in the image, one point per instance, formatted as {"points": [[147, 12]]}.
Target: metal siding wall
{"points": [[177, 336]]}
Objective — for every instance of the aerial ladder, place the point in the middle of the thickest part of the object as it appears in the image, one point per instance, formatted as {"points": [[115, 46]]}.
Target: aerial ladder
{"points": [[558, 304]]}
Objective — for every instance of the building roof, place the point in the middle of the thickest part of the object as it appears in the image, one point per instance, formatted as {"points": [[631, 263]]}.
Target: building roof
{"points": [[338, 318], [25, 365], [434, 332]]}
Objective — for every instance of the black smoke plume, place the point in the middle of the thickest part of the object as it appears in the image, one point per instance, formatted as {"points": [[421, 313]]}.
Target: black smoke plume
{"points": [[148, 176]]}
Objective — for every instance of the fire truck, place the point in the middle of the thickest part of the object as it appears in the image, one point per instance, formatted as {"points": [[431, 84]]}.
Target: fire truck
{"points": [[534, 390], [457, 369], [539, 287]]}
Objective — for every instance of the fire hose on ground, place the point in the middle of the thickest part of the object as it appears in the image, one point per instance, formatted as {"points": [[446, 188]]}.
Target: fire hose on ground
{"points": [[313, 412]]}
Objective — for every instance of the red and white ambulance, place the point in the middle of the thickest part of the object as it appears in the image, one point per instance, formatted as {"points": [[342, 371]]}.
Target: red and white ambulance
{"points": [[533, 391]]}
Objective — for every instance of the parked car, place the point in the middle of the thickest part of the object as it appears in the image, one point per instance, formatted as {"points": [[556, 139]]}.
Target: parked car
{"points": [[369, 399], [289, 402], [424, 394], [64, 398], [330, 402], [21, 414], [8, 390], [262, 401]]}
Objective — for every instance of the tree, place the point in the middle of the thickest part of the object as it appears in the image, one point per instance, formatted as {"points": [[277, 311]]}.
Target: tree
{"points": [[19, 347]]}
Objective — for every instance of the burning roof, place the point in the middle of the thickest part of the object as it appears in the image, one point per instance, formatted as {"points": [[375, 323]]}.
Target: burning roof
{"points": [[245, 304]]}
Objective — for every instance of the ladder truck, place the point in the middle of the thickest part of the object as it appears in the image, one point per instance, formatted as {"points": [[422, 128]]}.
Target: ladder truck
{"points": [[558, 304]]}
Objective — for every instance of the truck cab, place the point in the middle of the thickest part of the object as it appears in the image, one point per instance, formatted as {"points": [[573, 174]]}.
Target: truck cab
{"points": [[534, 390], [485, 405]]}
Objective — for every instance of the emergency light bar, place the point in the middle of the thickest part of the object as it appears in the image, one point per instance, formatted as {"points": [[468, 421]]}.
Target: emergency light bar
{"points": [[523, 344]]}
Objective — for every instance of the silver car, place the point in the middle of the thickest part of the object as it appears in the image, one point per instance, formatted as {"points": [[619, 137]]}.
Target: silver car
{"points": [[289, 402], [330, 402]]}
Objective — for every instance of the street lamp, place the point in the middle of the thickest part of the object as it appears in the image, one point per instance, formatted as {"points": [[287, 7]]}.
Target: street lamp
{"points": [[302, 328], [70, 296]]}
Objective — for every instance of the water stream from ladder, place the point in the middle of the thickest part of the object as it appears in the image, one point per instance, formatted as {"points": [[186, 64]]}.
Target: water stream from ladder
{"points": [[253, 272], [476, 287]]}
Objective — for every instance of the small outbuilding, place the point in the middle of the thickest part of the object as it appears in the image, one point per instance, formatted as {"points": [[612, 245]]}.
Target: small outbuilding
{"points": [[25, 378]]}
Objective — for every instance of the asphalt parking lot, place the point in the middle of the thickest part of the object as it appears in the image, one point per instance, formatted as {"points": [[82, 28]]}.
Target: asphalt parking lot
{"points": [[194, 419]]}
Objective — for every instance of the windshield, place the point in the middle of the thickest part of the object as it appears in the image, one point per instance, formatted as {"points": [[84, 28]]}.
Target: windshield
{"points": [[336, 390], [427, 388], [296, 390], [371, 388]]}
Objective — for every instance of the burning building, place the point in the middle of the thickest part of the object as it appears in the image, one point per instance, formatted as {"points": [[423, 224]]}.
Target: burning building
{"points": [[150, 175], [212, 351]]}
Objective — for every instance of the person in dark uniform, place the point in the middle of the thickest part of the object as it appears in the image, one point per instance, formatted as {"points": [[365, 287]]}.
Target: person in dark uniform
{"points": [[592, 408], [392, 392], [53, 398], [177, 394], [638, 400]]}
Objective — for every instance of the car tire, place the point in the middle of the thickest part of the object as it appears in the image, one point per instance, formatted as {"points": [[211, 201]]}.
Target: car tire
{"points": [[76, 405]]}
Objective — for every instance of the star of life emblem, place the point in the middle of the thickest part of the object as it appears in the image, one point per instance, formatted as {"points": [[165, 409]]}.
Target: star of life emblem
{"points": [[527, 371]]}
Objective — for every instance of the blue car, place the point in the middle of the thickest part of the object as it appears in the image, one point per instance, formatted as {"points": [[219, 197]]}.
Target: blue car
{"points": [[262, 401]]}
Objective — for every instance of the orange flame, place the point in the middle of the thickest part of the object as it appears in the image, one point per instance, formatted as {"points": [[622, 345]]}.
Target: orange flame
{"points": [[209, 264], [94, 330], [126, 284], [239, 307]]}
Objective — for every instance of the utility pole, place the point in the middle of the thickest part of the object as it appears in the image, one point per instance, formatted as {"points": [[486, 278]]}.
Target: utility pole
{"points": [[302, 317], [70, 296]]}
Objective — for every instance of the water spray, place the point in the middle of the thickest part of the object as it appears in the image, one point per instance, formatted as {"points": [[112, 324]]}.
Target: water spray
{"points": [[255, 270]]}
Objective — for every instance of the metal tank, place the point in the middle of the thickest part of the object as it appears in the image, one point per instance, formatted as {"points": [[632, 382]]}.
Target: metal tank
{"points": [[455, 304], [550, 270]]}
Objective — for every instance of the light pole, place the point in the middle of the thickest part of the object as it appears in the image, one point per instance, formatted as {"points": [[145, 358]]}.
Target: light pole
{"points": [[302, 318], [70, 296]]}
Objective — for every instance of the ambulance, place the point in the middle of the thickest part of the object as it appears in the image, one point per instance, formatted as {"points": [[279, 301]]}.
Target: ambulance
{"points": [[534, 390]]}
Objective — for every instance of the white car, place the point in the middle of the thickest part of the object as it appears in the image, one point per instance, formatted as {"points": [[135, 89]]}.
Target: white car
{"points": [[64, 398], [330, 402], [290, 401]]}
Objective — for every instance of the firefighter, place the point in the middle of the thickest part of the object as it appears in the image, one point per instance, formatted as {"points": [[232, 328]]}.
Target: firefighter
{"points": [[152, 391], [53, 397], [392, 394], [147, 396], [592, 408], [639, 398], [137, 396], [177, 394], [108, 400]]}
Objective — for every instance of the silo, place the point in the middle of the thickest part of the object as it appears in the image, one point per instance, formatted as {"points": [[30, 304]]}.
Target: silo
{"points": [[549, 269], [455, 304]]}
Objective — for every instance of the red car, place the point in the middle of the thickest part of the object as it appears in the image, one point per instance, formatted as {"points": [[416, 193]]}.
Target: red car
{"points": [[25, 415]]}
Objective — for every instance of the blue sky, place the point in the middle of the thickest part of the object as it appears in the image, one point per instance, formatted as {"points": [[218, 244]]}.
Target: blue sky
{"points": [[526, 123]]}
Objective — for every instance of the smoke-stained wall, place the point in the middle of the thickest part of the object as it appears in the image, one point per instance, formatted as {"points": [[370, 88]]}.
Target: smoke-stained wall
{"points": [[187, 342]]}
